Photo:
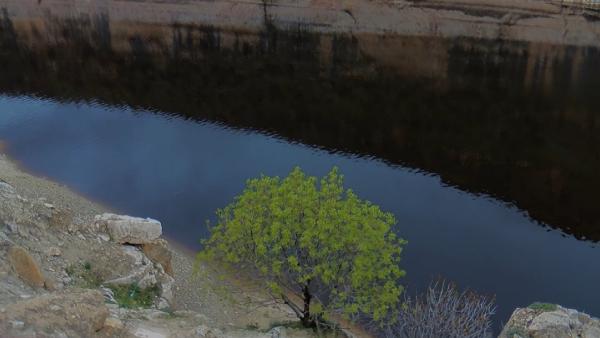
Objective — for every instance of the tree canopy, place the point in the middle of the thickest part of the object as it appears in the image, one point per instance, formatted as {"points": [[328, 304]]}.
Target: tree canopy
{"points": [[318, 246]]}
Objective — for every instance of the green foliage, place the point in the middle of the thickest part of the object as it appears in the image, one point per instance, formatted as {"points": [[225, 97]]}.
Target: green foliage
{"points": [[84, 276], [132, 296], [542, 306], [312, 239]]}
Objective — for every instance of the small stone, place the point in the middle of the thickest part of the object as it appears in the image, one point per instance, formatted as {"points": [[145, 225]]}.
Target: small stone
{"points": [[112, 324], [82, 237], [17, 324], [12, 227], [104, 237], [163, 304], [49, 206], [49, 284], [54, 251], [55, 308], [276, 332]]}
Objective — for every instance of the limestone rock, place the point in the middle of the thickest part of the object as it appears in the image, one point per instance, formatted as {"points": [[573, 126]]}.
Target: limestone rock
{"points": [[553, 322], [53, 251], [141, 272], [166, 287], [76, 313], [25, 266], [127, 229], [158, 252]]}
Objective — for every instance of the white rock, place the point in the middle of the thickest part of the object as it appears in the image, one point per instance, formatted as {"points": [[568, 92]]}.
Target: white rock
{"points": [[277, 332], [555, 321], [6, 188], [17, 324], [104, 237], [127, 229]]}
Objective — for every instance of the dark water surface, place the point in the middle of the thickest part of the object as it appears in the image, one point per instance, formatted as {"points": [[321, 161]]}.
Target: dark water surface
{"points": [[487, 152]]}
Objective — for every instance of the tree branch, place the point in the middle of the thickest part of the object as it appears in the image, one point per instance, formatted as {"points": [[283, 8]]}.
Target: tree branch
{"points": [[292, 305]]}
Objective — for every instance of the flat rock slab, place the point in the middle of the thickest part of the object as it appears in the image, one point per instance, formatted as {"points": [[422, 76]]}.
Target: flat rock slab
{"points": [[127, 229]]}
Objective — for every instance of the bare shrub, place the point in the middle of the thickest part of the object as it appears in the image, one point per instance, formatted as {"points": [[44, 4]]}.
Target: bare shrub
{"points": [[442, 312]]}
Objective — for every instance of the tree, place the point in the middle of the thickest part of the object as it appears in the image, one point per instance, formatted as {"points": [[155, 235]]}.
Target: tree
{"points": [[318, 246]]}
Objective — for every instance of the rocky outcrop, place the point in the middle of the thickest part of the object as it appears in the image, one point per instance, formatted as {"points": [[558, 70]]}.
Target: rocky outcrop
{"points": [[550, 321], [25, 266], [76, 313], [127, 229], [142, 271]]}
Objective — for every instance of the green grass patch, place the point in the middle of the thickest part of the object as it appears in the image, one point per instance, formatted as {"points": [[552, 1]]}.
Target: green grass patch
{"points": [[543, 306], [132, 296], [84, 276]]}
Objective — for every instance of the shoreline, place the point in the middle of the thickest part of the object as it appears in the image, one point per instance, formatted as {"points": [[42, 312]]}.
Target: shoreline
{"points": [[234, 305], [533, 21]]}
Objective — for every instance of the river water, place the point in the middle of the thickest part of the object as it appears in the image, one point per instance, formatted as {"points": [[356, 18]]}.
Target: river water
{"points": [[487, 153]]}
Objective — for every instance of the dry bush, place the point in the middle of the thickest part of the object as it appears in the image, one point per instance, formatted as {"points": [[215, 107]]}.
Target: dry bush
{"points": [[442, 312]]}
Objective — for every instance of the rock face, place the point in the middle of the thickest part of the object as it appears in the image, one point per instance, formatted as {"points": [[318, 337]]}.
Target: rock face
{"points": [[127, 229], [142, 271], [158, 252], [76, 313], [550, 321], [25, 266]]}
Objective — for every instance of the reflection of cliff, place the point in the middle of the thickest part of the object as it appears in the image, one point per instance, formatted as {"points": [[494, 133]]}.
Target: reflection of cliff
{"points": [[517, 121]]}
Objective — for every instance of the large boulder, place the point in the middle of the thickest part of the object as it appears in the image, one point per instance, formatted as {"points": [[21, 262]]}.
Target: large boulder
{"points": [[76, 313], [127, 229], [158, 252], [25, 266], [550, 321]]}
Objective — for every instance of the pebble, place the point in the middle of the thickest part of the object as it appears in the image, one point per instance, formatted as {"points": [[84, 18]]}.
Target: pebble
{"points": [[54, 251], [12, 227], [17, 324]]}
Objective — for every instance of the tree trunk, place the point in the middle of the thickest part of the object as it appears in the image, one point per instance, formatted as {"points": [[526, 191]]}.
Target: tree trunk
{"points": [[307, 320]]}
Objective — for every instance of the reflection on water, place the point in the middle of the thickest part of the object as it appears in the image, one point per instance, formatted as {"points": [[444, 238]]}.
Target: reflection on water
{"points": [[514, 121]]}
